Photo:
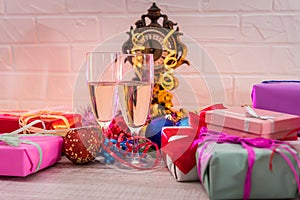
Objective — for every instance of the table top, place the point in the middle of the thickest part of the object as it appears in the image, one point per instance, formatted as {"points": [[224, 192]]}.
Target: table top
{"points": [[66, 180]]}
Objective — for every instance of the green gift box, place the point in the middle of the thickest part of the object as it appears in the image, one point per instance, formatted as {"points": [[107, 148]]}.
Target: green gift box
{"points": [[222, 169]]}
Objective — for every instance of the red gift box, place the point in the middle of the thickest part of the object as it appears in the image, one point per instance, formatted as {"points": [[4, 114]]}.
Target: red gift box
{"points": [[179, 145], [9, 120], [53, 120], [267, 124]]}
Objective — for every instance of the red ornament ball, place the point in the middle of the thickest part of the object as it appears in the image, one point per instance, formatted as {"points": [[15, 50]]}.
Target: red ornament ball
{"points": [[82, 146]]}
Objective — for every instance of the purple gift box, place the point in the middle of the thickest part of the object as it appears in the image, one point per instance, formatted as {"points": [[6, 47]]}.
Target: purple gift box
{"points": [[279, 96]]}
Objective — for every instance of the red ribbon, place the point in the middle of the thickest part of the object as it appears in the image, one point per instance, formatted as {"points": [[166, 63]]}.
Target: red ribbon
{"points": [[182, 151], [248, 144], [198, 121], [117, 134], [146, 144]]}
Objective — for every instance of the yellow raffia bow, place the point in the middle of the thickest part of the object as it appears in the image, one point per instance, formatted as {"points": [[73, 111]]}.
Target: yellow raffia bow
{"points": [[60, 130]]}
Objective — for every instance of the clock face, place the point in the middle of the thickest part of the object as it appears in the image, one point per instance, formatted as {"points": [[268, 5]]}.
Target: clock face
{"points": [[155, 42], [168, 51]]}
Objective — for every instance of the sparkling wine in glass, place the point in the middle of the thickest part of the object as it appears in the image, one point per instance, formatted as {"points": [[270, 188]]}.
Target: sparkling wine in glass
{"points": [[102, 77], [135, 93]]}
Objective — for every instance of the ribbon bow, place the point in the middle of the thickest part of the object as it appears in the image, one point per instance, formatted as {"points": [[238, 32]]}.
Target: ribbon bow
{"points": [[248, 144], [251, 113], [254, 142], [45, 115]]}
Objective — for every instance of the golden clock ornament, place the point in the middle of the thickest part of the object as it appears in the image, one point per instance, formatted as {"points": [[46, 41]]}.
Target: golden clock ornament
{"points": [[163, 41]]}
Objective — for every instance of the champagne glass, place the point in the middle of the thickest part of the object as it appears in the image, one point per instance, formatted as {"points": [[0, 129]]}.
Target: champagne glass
{"points": [[102, 77], [135, 93]]}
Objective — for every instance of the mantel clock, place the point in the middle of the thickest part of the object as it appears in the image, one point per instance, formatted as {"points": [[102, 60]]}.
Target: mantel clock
{"points": [[161, 40]]}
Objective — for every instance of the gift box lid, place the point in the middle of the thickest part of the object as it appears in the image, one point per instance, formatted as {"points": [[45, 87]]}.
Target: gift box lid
{"points": [[256, 121]]}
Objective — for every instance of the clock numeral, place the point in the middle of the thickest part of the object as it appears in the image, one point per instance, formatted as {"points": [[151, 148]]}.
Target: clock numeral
{"points": [[153, 36], [158, 38], [148, 37]]}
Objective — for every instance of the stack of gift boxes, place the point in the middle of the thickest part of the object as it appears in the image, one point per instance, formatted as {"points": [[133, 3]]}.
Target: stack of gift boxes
{"points": [[241, 152], [234, 152], [24, 146]]}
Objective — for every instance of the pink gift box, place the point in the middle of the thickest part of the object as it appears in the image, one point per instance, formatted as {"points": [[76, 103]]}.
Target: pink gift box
{"points": [[24, 159], [236, 121]]}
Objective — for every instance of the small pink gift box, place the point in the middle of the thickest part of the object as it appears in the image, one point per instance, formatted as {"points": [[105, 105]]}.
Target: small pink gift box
{"points": [[25, 159], [262, 123]]}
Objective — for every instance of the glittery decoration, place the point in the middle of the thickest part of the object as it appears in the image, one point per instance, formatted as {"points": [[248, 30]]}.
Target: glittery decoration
{"points": [[82, 146]]}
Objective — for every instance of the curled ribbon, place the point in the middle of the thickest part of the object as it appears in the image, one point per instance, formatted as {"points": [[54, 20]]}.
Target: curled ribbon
{"points": [[108, 145], [248, 144], [117, 144], [168, 81], [170, 61], [135, 37], [44, 115], [137, 48]]}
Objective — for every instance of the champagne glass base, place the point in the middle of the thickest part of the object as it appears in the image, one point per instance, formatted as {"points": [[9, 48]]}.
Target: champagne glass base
{"points": [[113, 157], [135, 163]]}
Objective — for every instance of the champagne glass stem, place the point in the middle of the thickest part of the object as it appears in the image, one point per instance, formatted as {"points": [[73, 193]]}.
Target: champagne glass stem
{"points": [[135, 144]]}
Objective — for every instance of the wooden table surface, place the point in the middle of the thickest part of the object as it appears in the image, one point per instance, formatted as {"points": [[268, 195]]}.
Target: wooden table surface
{"points": [[96, 181]]}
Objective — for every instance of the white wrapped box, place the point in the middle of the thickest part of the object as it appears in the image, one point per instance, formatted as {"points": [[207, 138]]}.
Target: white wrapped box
{"points": [[179, 152]]}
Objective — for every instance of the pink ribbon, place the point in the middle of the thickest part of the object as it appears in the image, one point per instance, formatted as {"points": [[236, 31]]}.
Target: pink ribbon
{"points": [[248, 144]]}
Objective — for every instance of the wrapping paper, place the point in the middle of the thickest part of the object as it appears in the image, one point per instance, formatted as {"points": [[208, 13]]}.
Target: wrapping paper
{"points": [[295, 144], [223, 169], [9, 121], [179, 145], [178, 153], [178, 174], [268, 124], [280, 96], [24, 159]]}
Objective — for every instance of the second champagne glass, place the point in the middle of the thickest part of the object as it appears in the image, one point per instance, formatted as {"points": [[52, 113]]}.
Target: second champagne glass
{"points": [[135, 94], [103, 76]]}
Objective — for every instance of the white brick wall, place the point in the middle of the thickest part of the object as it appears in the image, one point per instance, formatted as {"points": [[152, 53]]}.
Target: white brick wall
{"points": [[43, 45], [35, 7]]}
